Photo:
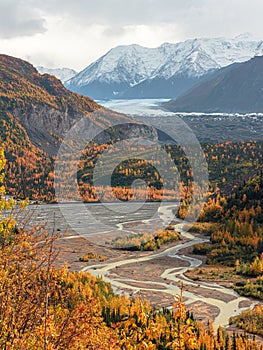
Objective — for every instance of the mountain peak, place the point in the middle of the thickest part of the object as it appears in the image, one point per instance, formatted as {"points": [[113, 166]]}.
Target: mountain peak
{"points": [[134, 71], [127, 47], [16, 65]]}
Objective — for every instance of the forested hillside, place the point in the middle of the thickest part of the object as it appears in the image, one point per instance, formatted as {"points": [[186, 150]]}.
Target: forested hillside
{"points": [[36, 112], [46, 308]]}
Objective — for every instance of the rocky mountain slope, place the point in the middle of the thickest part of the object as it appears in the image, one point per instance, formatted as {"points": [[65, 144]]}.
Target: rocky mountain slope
{"points": [[237, 88], [36, 112], [39, 103], [42, 105], [167, 71]]}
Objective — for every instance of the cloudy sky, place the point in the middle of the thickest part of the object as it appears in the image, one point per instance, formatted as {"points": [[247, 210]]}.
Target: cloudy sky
{"points": [[73, 33]]}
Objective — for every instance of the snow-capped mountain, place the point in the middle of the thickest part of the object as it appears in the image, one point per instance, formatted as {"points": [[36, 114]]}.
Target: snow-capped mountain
{"points": [[167, 71], [62, 74], [117, 71]]}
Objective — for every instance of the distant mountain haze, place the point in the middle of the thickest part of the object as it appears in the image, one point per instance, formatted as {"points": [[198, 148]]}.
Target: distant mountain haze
{"points": [[62, 74]]}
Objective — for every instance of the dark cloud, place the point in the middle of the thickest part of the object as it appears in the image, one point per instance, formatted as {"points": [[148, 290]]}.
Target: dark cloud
{"points": [[18, 18], [196, 18], [86, 29], [118, 11], [202, 17]]}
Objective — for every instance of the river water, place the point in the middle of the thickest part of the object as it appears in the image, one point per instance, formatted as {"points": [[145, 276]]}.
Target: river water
{"points": [[52, 216], [94, 220]]}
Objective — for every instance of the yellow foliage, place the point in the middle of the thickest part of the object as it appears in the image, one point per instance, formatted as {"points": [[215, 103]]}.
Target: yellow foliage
{"points": [[43, 308]]}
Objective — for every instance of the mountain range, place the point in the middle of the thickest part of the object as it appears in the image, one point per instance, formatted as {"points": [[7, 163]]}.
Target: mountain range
{"points": [[237, 88], [167, 71]]}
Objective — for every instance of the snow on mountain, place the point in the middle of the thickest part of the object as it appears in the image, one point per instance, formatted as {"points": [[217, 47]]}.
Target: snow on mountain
{"points": [[129, 64], [259, 50], [62, 74], [196, 57], [134, 71]]}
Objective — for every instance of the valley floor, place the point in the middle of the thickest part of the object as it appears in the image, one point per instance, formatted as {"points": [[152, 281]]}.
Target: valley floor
{"points": [[157, 276]]}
